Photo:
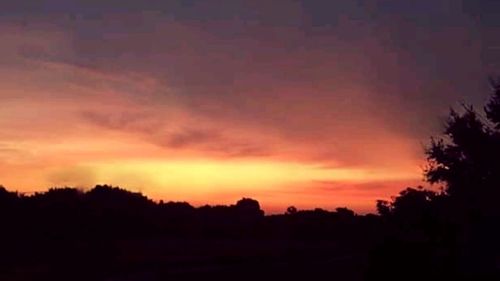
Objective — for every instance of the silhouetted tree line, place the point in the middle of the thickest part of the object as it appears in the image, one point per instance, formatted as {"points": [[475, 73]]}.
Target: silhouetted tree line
{"points": [[107, 212], [59, 230], [108, 233], [453, 233]]}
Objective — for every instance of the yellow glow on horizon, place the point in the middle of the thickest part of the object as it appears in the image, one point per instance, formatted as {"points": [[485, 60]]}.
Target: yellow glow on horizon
{"points": [[192, 176]]}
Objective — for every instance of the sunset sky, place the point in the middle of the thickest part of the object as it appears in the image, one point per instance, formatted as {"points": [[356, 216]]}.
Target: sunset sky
{"points": [[305, 103]]}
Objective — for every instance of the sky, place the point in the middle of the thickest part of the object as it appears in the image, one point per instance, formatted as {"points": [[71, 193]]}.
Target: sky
{"points": [[306, 103]]}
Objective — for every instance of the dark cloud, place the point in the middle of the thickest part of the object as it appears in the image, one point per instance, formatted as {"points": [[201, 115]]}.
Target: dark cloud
{"points": [[412, 66], [190, 137], [328, 74], [211, 141], [240, 149], [123, 121], [384, 188], [215, 143]]}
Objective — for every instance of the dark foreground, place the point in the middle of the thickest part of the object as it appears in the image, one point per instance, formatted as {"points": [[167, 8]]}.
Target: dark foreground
{"points": [[108, 233], [180, 259], [111, 234]]}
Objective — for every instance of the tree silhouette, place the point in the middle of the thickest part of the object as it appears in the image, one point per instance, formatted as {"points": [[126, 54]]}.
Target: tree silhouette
{"points": [[291, 210], [454, 232], [410, 206], [492, 109], [466, 160], [249, 207]]}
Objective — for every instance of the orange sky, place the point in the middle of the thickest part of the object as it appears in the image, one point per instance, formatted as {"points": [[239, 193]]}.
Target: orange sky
{"points": [[211, 111]]}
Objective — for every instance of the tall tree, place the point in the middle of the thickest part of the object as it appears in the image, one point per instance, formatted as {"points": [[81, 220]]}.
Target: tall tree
{"points": [[466, 160]]}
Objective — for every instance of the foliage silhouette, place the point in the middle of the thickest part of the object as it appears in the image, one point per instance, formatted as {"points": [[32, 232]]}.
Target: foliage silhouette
{"points": [[453, 233], [116, 233]]}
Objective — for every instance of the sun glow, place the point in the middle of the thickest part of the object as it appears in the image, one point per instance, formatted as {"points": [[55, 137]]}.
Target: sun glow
{"points": [[195, 176]]}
